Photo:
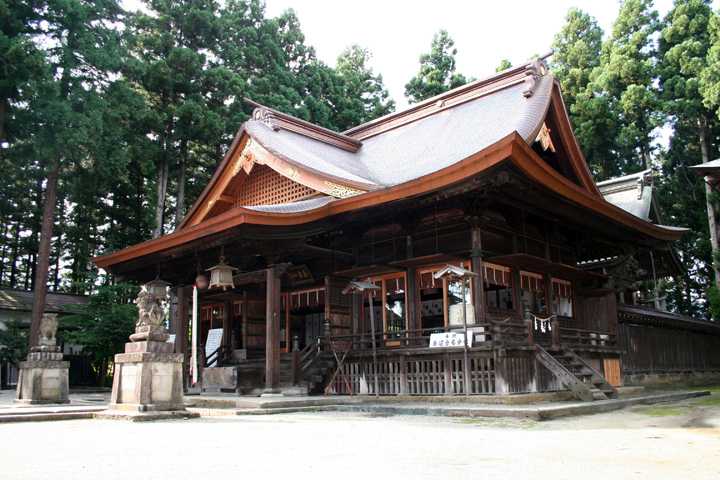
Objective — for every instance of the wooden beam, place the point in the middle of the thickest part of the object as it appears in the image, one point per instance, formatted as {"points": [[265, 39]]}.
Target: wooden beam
{"points": [[272, 332], [478, 280], [227, 325]]}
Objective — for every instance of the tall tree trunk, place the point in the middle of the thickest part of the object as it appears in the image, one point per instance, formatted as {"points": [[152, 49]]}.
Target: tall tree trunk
{"points": [[43, 257], [180, 207], [711, 211], [161, 191], [58, 246], [15, 251]]}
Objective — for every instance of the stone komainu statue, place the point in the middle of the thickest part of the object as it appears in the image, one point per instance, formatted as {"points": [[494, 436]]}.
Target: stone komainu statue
{"points": [[48, 329], [150, 311]]}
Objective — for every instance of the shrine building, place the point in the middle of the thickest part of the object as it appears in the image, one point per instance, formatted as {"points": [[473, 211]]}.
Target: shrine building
{"points": [[460, 246]]}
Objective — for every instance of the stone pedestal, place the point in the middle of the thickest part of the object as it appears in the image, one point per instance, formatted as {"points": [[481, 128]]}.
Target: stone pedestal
{"points": [[148, 380], [148, 376], [43, 377]]}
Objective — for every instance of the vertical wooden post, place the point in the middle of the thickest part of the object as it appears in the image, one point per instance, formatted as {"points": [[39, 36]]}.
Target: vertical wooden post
{"points": [[517, 297], [227, 329], [272, 331], [403, 375], [245, 321], [181, 317], [478, 281], [412, 300], [555, 333], [447, 374]]}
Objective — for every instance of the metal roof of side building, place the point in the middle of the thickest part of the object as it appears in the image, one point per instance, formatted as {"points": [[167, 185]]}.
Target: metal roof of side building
{"points": [[634, 193], [21, 300]]}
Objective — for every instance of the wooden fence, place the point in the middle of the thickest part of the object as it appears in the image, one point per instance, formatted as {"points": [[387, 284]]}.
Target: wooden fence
{"points": [[659, 342], [419, 374]]}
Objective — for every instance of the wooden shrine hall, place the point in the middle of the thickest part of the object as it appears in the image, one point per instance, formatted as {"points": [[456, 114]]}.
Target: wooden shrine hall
{"points": [[460, 246]]}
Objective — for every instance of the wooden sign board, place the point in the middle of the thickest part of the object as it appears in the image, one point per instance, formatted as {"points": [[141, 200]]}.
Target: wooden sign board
{"points": [[214, 339], [448, 340]]}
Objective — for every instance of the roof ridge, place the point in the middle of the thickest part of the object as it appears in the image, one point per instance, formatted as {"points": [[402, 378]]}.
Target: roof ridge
{"points": [[529, 73], [282, 121]]}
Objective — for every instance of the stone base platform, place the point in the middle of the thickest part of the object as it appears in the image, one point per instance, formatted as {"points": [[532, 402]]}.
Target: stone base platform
{"points": [[148, 377], [43, 378], [145, 416]]}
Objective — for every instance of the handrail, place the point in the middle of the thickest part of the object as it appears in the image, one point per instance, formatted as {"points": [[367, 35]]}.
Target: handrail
{"points": [[586, 337], [215, 356]]}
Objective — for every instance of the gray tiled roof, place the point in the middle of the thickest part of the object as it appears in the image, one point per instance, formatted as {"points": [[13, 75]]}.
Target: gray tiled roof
{"points": [[54, 302], [633, 193], [422, 146]]}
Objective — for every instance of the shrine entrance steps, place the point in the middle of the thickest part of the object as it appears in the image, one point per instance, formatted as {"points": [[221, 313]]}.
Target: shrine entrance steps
{"points": [[313, 373], [575, 374]]}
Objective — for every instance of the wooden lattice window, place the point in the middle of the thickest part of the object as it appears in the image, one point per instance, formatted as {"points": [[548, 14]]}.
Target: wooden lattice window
{"points": [[264, 186]]}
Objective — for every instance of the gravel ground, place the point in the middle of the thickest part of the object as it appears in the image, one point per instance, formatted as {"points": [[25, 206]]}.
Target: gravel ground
{"points": [[669, 441]]}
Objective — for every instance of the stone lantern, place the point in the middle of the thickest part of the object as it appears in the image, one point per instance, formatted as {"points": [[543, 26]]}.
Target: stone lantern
{"points": [[221, 275], [157, 288]]}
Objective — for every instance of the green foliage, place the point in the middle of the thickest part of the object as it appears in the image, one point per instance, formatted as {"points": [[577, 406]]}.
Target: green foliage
{"points": [[577, 50], [437, 70], [713, 296], [504, 65], [625, 76], [363, 96], [710, 76], [684, 46], [103, 325], [13, 342]]}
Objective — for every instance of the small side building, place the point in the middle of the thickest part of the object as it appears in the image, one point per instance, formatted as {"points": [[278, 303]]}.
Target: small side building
{"points": [[16, 306]]}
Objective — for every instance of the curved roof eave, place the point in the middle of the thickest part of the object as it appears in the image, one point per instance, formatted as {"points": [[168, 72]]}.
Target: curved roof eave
{"points": [[512, 147], [539, 171]]}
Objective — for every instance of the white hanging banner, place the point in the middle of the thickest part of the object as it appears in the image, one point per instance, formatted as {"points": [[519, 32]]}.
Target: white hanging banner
{"points": [[194, 359]]}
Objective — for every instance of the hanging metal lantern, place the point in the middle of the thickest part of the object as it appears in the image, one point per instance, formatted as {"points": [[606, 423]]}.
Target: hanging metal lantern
{"points": [[157, 288], [221, 275]]}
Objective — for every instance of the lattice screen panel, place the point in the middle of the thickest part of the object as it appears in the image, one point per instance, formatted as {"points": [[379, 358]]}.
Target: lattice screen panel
{"points": [[264, 186]]}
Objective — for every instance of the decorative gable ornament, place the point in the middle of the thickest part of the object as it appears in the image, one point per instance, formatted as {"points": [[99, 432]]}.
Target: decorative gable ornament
{"points": [[221, 275], [545, 139]]}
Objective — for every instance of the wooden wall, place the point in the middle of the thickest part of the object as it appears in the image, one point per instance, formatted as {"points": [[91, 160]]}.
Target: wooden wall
{"points": [[661, 345]]}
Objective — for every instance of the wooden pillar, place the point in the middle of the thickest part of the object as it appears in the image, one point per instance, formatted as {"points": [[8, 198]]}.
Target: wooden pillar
{"points": [[517, 297], [412, 299], [479, 279], [245, 321], [180, 329], [272, 332], [227, 327]]}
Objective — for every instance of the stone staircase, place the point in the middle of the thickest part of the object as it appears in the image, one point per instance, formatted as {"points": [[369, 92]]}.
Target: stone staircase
{"points": [[574, 373]]}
